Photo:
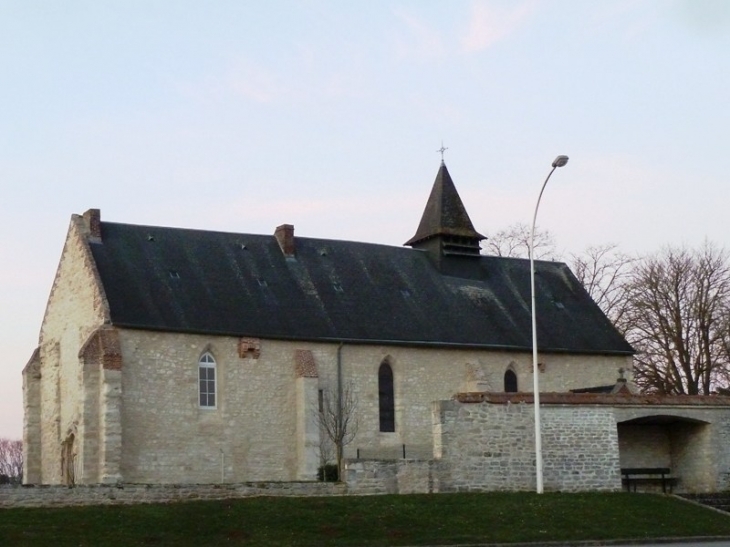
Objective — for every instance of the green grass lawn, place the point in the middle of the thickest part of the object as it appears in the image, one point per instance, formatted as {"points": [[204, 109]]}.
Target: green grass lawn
{"points": [[366, 521]]}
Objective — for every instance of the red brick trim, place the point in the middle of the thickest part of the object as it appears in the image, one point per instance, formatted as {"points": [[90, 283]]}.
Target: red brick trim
{"points": [[249, 347], [304, 365], [613, 399]]}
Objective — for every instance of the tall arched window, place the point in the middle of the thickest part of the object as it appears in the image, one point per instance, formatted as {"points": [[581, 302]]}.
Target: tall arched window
{"points": [[206, 377], [386, 398], [510, 381]]}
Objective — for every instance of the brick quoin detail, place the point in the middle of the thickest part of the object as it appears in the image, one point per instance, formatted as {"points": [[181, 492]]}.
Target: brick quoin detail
{"points": [[304, 365], [249, 347]]}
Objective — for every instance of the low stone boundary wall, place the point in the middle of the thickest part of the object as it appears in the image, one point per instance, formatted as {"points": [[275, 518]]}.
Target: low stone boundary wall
{"points": [[365, 477], [101, 494]]}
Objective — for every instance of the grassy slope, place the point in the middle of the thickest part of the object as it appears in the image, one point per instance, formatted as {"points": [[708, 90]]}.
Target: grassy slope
{"points": [[366, 521]]}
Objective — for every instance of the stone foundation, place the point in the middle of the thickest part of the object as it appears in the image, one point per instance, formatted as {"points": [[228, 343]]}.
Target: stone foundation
{"points": [[101, 494]]}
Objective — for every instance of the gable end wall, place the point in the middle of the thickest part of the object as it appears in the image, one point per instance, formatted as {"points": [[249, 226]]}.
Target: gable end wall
{"points": [[76, 308]]}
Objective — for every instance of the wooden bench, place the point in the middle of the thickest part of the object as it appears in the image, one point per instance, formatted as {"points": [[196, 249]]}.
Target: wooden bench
{"points": [[633, 475]]}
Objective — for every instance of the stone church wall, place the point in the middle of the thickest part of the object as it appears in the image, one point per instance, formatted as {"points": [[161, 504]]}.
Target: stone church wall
{"points": [[422, 376], [123, 405], [168, 437], [32, 465], [252, 433], [76, 307], [480, 443]]}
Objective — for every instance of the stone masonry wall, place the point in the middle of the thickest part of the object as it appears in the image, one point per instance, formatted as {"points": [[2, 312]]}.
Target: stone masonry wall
{"points": [[251, 435], [485, 447], [644, 445], [366, 477], [50, 496], [693, 442], [692, 458], [580, 448], [168, 437], [719, 445], [32, 419], [422, 376], [76, 307]]}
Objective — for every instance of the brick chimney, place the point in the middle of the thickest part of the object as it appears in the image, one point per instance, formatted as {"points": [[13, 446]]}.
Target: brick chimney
{"points": [[92, 221], [285, 236]]}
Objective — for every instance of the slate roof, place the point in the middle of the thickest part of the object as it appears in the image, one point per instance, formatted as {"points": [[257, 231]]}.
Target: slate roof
{"points": [[242, 284], [445, 213]]}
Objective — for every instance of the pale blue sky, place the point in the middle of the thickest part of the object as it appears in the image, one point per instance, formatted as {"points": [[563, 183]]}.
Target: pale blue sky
{"points": [[241, 116]]}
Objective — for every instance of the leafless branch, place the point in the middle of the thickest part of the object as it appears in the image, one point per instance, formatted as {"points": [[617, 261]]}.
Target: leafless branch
{"points": [[514, 241], [11, 460], [605, 273], [677, 318], [337, 419]]}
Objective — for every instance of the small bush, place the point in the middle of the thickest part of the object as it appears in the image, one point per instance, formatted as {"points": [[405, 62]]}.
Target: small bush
{"points": [[328, 473]]}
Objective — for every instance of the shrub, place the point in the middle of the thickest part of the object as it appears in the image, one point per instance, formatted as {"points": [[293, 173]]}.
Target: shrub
{"points": [[328, 473]]}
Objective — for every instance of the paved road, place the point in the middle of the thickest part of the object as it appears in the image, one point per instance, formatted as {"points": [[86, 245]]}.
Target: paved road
{"points": [[680, 544], [639, 543]]}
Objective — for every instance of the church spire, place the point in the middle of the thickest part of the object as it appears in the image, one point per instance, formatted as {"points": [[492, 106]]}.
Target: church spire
{"points": [[446, 221]]}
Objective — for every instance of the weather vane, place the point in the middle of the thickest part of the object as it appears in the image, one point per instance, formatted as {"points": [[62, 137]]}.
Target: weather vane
{"points": [[442, 150]]}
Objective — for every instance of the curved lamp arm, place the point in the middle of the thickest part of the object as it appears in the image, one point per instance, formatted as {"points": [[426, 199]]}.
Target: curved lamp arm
{"points": [[560, 161]]}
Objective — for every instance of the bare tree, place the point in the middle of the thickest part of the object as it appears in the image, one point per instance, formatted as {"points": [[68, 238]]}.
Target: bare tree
{"points": [[605, 272], [337, 419], [673, 307], [725, 346], [327, 453], [11, 460], [677, 320], [514, 241]]}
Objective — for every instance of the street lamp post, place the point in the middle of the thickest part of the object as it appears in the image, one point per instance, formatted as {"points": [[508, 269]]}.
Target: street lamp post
{"points": [[560, 161]]}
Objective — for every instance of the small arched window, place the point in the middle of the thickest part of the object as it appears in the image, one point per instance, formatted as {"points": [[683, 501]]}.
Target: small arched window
{"points": [[206, 380], [510, 381], [386, 398]]}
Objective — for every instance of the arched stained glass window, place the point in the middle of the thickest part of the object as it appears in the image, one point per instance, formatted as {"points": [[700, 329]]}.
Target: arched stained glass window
{"points": [[386, 398]]}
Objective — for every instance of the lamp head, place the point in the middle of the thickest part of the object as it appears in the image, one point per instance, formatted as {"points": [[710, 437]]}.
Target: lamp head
{"points": [[560, 161]]}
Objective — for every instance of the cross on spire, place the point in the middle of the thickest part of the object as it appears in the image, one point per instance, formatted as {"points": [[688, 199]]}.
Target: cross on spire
{"points": [[442, 150]]}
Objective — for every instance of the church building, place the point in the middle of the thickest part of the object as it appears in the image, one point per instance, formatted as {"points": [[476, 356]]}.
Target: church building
{"points": [[171, 355]]}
